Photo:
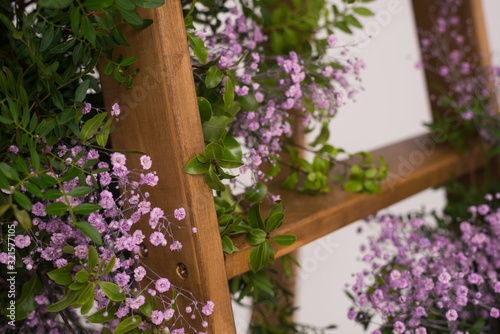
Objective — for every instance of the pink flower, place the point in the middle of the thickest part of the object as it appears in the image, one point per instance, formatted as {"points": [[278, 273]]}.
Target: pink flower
{"points": [[146, 162], [162, 285], [157, 238], [22, 241], [420, 330], [135, 303], [169, 313], [180, 213], [208, 309], [87, 108], [332, 40], [157, 317], [115, 110], [494, 312], [399, 327], [118, 159], [176, 245], [13, 149], [139, 273], [451, 315]]}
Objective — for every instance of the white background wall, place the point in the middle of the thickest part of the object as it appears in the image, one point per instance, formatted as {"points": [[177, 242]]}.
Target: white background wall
{"points": [[393, 107]]}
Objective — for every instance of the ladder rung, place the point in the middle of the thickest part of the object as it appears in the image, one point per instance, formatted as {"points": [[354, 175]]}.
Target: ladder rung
{"points": [[414, 165]]}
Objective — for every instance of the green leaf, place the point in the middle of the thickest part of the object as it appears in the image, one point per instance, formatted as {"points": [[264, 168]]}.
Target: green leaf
{"points": [[215, 128], [120, 37], [9, 172], [13, 106], [75, 286], [353, 186], [363, 11], [277, 208], [128, 61], [52, 194], [81, 91], [82, 276], [80, 191], [99, 317], [254, 217], [62, 276], [229, 164], [4, 208], [63, 47], [371, 173], [146, 308], [125, 4], [23, 217], [343, 26], [213, 181], [108, 68], [371, 187], [149, 3], [86, 208], [132, 17], [248, 102], [22, 200], [228, 94], [323, 136], [227, 245], [103, 135], [91, 126], [85, 294], [256, 236], [256, 193], [6, 120], [199, 49], [65, 302], [232, 150], [88, 29], [284, 239], [90, 231], [87, 306], [8, 23], [194, 166], [47, 38], [351, 20], [127, 325], [214, 77], [26, 303], [112, 291], [35, 159], [56, 208], [205, 109], [214, 151], [109, 267], [201, 158], [256, 257], [274, 221], [268, 253], [75, 17], [54, 4]]}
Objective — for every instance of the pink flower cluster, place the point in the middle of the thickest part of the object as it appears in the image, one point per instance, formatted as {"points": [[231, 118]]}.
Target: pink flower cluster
{"points": [[120, 199], [422, 279], [292, 91]]}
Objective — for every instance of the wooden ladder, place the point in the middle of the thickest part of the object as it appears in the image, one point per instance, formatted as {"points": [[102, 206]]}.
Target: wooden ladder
{"points": [[160, 116]]}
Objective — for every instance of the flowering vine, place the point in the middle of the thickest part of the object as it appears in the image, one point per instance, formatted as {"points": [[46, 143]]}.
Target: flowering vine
{"points": [[71, 253]]}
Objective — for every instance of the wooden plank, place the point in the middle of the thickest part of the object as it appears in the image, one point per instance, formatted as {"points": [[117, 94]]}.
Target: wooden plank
{"points": [[414, 165], [475, 43], [160, 116]]}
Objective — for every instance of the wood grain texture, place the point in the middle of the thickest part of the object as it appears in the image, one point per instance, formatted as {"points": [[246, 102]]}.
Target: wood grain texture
{"points": [[160, 116], [414, 165]]}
